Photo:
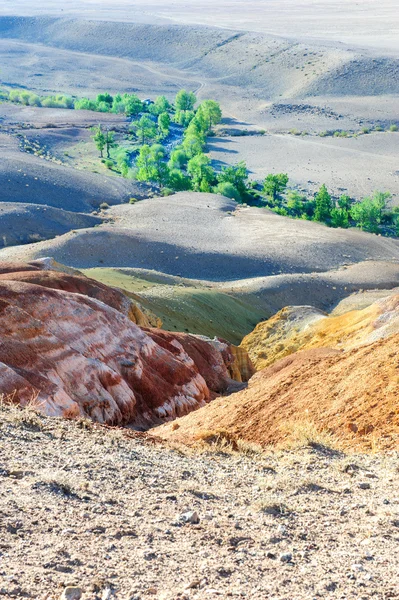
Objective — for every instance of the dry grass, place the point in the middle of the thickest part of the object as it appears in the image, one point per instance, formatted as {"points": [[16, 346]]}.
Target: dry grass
{"points": [[306, 433]]}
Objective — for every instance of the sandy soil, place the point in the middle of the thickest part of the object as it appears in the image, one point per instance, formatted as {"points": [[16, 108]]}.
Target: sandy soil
{"points": [[206, 236], [365, 24], [101, 510], [28, 178], [23, 223], [311, 160]]}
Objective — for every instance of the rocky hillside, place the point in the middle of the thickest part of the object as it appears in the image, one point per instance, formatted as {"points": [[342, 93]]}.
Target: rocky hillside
{"points": [[71, 346]]}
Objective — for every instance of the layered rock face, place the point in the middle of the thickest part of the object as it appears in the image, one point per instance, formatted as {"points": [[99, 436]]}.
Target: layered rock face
{"points": [[69, 346]]}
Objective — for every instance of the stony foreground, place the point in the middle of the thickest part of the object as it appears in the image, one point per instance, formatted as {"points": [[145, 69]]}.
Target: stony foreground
{"points": [[113, 512]]}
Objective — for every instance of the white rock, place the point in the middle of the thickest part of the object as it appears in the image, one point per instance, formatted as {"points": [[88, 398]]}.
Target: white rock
{"points": [[71, 593]]}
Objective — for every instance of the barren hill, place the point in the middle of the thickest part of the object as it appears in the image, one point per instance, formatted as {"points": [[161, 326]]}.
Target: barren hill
{"points": [[29, 179], [207, 236]]}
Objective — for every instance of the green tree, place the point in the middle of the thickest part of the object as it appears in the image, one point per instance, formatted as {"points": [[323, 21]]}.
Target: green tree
{"points": [[274, 186], [159, 168], [146, 130], [201, 173], [210, 112], [185, 101], [236, 175], [161, 105], [99, 139], [295, 204], [85, 104], [123, 166], [184, 105], [323, 206], [163, 124], [345, 202], [178, 159], [192, 145], [144, 164], [229, 190], [106, 99], [133, 105], [368, 213], [339, 217], [178, 181], [109, 142]]}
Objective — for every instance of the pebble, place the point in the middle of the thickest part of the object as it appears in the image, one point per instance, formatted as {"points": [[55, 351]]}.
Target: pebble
{"points": [[357, 567], [71, 593], [286, 557], [190, 517], [364, 485], [281, 530]]}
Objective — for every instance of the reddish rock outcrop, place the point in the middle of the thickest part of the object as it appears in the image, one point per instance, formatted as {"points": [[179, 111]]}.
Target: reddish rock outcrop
{"points": [[68, 343]]}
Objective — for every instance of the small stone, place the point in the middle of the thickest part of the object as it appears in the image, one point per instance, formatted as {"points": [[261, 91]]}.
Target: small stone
{"points": [[281, 530], [190, 517], [364, 485], [107, 594], [71, 593], [286, 557], [357, 567]]}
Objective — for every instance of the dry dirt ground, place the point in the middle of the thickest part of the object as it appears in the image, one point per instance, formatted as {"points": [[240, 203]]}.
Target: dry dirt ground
{"points": [[104, 510], [347, 21]]}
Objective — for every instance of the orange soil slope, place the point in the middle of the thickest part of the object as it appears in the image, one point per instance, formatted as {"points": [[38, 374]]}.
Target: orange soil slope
{"points": [[353, 395]]}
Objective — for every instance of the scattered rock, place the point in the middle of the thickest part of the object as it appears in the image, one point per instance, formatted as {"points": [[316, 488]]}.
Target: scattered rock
{"points": [[190, 517], [71, 593]]}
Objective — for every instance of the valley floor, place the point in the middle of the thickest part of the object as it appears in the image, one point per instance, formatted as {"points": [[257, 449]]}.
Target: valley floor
{"points": [[103, 509]]}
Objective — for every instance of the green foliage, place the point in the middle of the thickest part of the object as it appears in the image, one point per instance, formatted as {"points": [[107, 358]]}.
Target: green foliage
{"points": [[161, 105], [178, 181], [201, 172], [339, 217], [368, 213], [237, 176], [393, 127], [208, 114], [178, 159], [295, 205], [85, 104], [133, 105], [146, 129], [99, 139], [185, 101], [106, 99], [163, 124], [229, 190], [323, 206], [184, 104], [109, 141], [274, 186]]}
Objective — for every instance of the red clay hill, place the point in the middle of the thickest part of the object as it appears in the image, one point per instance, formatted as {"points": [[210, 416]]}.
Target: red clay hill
{"points": [[73, 347]]}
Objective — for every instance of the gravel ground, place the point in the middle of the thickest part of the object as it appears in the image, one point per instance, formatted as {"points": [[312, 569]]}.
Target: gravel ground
{"points": [[104, 509]]}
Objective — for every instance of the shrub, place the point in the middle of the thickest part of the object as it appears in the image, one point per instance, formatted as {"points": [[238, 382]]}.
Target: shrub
{"points": [[104, 206], [133, 200], [228, 190], [393, 127], [166, 192], [109, 163]]}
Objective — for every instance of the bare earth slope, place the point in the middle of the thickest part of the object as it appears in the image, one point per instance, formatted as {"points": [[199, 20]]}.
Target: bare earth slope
{"points": [[22, 223], [352, 395], [30, 179], [207, 236]]}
